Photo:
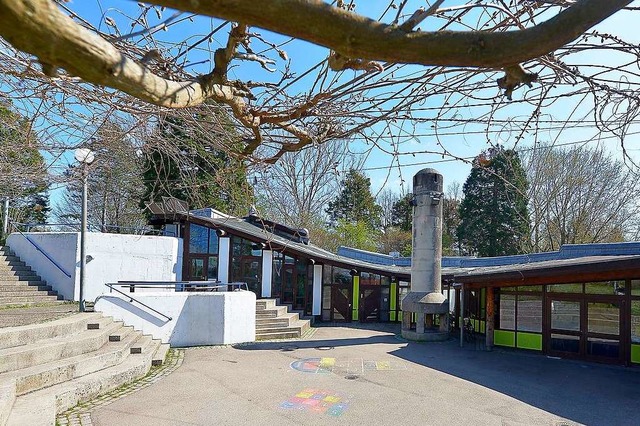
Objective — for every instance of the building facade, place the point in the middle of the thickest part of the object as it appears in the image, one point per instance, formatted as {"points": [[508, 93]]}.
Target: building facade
{"points": [[580, 302]]}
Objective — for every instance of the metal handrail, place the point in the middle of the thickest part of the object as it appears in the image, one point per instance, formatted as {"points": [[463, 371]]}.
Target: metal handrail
{"points": [[136, 230], [132, 299], [200, 285], [197, 285], [43, 252]]}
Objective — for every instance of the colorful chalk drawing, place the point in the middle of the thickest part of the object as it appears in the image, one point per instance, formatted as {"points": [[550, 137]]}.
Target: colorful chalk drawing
{"points": [[344, 366], [317, 401]]}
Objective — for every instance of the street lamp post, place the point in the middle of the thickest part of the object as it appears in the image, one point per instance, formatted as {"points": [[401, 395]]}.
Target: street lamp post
{"points": [[84, 156], [5, 218]]}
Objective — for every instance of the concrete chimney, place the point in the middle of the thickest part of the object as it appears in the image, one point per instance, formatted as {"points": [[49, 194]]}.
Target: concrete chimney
{"points": [[425, 309]]}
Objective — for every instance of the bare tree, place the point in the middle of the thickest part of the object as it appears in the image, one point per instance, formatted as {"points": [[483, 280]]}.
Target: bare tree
{"points": [[580, 195], [297, 189], [115, 185], [451, 219], [386, 199], [514, 71]]}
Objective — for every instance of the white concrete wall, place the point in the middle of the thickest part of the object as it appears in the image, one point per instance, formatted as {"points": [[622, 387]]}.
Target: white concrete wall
{"points": [[114, 257], [62, 247], [267, 272], [197, 318], [119, 257]]}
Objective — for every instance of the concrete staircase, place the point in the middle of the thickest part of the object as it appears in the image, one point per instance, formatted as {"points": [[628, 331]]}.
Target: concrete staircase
{"points": [[20, 286], [50, 367], [275, 322]]}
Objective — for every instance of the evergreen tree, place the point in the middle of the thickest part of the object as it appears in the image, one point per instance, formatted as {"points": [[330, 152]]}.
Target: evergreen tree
{"points": [[402, 213], [494, 219], [355, 203], [23, 176], [183, 162]]}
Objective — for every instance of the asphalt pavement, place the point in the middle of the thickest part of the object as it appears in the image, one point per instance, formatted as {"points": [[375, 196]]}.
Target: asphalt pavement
{"points": [[368, 375]]}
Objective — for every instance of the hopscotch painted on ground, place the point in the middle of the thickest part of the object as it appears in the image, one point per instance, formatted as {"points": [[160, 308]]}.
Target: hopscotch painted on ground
{"points": [[317, 401], [344, 366]]}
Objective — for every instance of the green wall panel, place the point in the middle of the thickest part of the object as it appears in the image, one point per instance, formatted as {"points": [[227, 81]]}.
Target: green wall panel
{"points": [[356, 298], [635, 354], [392, 303], [504, 338], [529, 341]]}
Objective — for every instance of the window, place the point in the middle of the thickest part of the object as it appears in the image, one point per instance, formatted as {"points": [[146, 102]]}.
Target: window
{"points": [[635, 320], [342, 276], [606, 287], [507, 312], [202, 240], [529, 316], [246, 264], [198, 239], [565, 288]]}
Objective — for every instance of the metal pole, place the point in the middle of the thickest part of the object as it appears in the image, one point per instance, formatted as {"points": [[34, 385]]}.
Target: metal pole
{"points": [[83, 230], [462, 315], [5, 218]]}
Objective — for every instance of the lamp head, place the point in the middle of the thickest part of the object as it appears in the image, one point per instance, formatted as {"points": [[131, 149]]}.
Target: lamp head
{"points": [[84, 155]]}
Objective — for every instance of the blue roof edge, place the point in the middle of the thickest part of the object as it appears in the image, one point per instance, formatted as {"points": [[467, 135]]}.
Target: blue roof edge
{"points": [[567, 251]]}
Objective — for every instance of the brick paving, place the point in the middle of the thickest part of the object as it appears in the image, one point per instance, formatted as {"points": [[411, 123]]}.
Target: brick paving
{"points": [[80, 415]]}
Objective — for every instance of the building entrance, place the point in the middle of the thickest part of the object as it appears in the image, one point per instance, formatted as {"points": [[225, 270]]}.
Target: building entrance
{"points": [[341, 298], [586, 326]]}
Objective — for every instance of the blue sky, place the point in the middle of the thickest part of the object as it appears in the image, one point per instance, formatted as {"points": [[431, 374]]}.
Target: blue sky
{"points": [[465, 140]]}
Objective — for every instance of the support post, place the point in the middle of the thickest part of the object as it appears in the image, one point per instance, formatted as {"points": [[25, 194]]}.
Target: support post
{"points": [[462, 315], [490, 319], [224, 247], [317, 290], [5, 218], [267, 272], [83, 232]]}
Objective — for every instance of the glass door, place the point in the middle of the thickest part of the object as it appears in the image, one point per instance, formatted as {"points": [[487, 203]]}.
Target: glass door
{"points": [[586, 327], [203, 268], [369, 303], [603, 332], [341, 303], [564, 335]]}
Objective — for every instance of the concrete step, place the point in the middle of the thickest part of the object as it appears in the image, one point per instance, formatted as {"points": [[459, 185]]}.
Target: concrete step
{"points": [[262, 304], [6, 301], [23, 286], [26, 291], [299, 327], [18, 281], [41, 352], [7, 399], [36, 314], [53, 373], [12, 261], [14, 268], [19, 276], [271, 313], [285, 318], [7, 257], [160, 354], [28, 334], [278, 335], [41, 407]]}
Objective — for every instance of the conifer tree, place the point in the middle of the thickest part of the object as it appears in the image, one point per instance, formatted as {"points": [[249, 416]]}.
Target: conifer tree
{"points": [[355, 203], [493, 214]]}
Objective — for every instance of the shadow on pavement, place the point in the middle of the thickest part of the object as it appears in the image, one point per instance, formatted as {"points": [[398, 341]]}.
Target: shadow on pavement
{"points": [[582, 392], [588, 393]]}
